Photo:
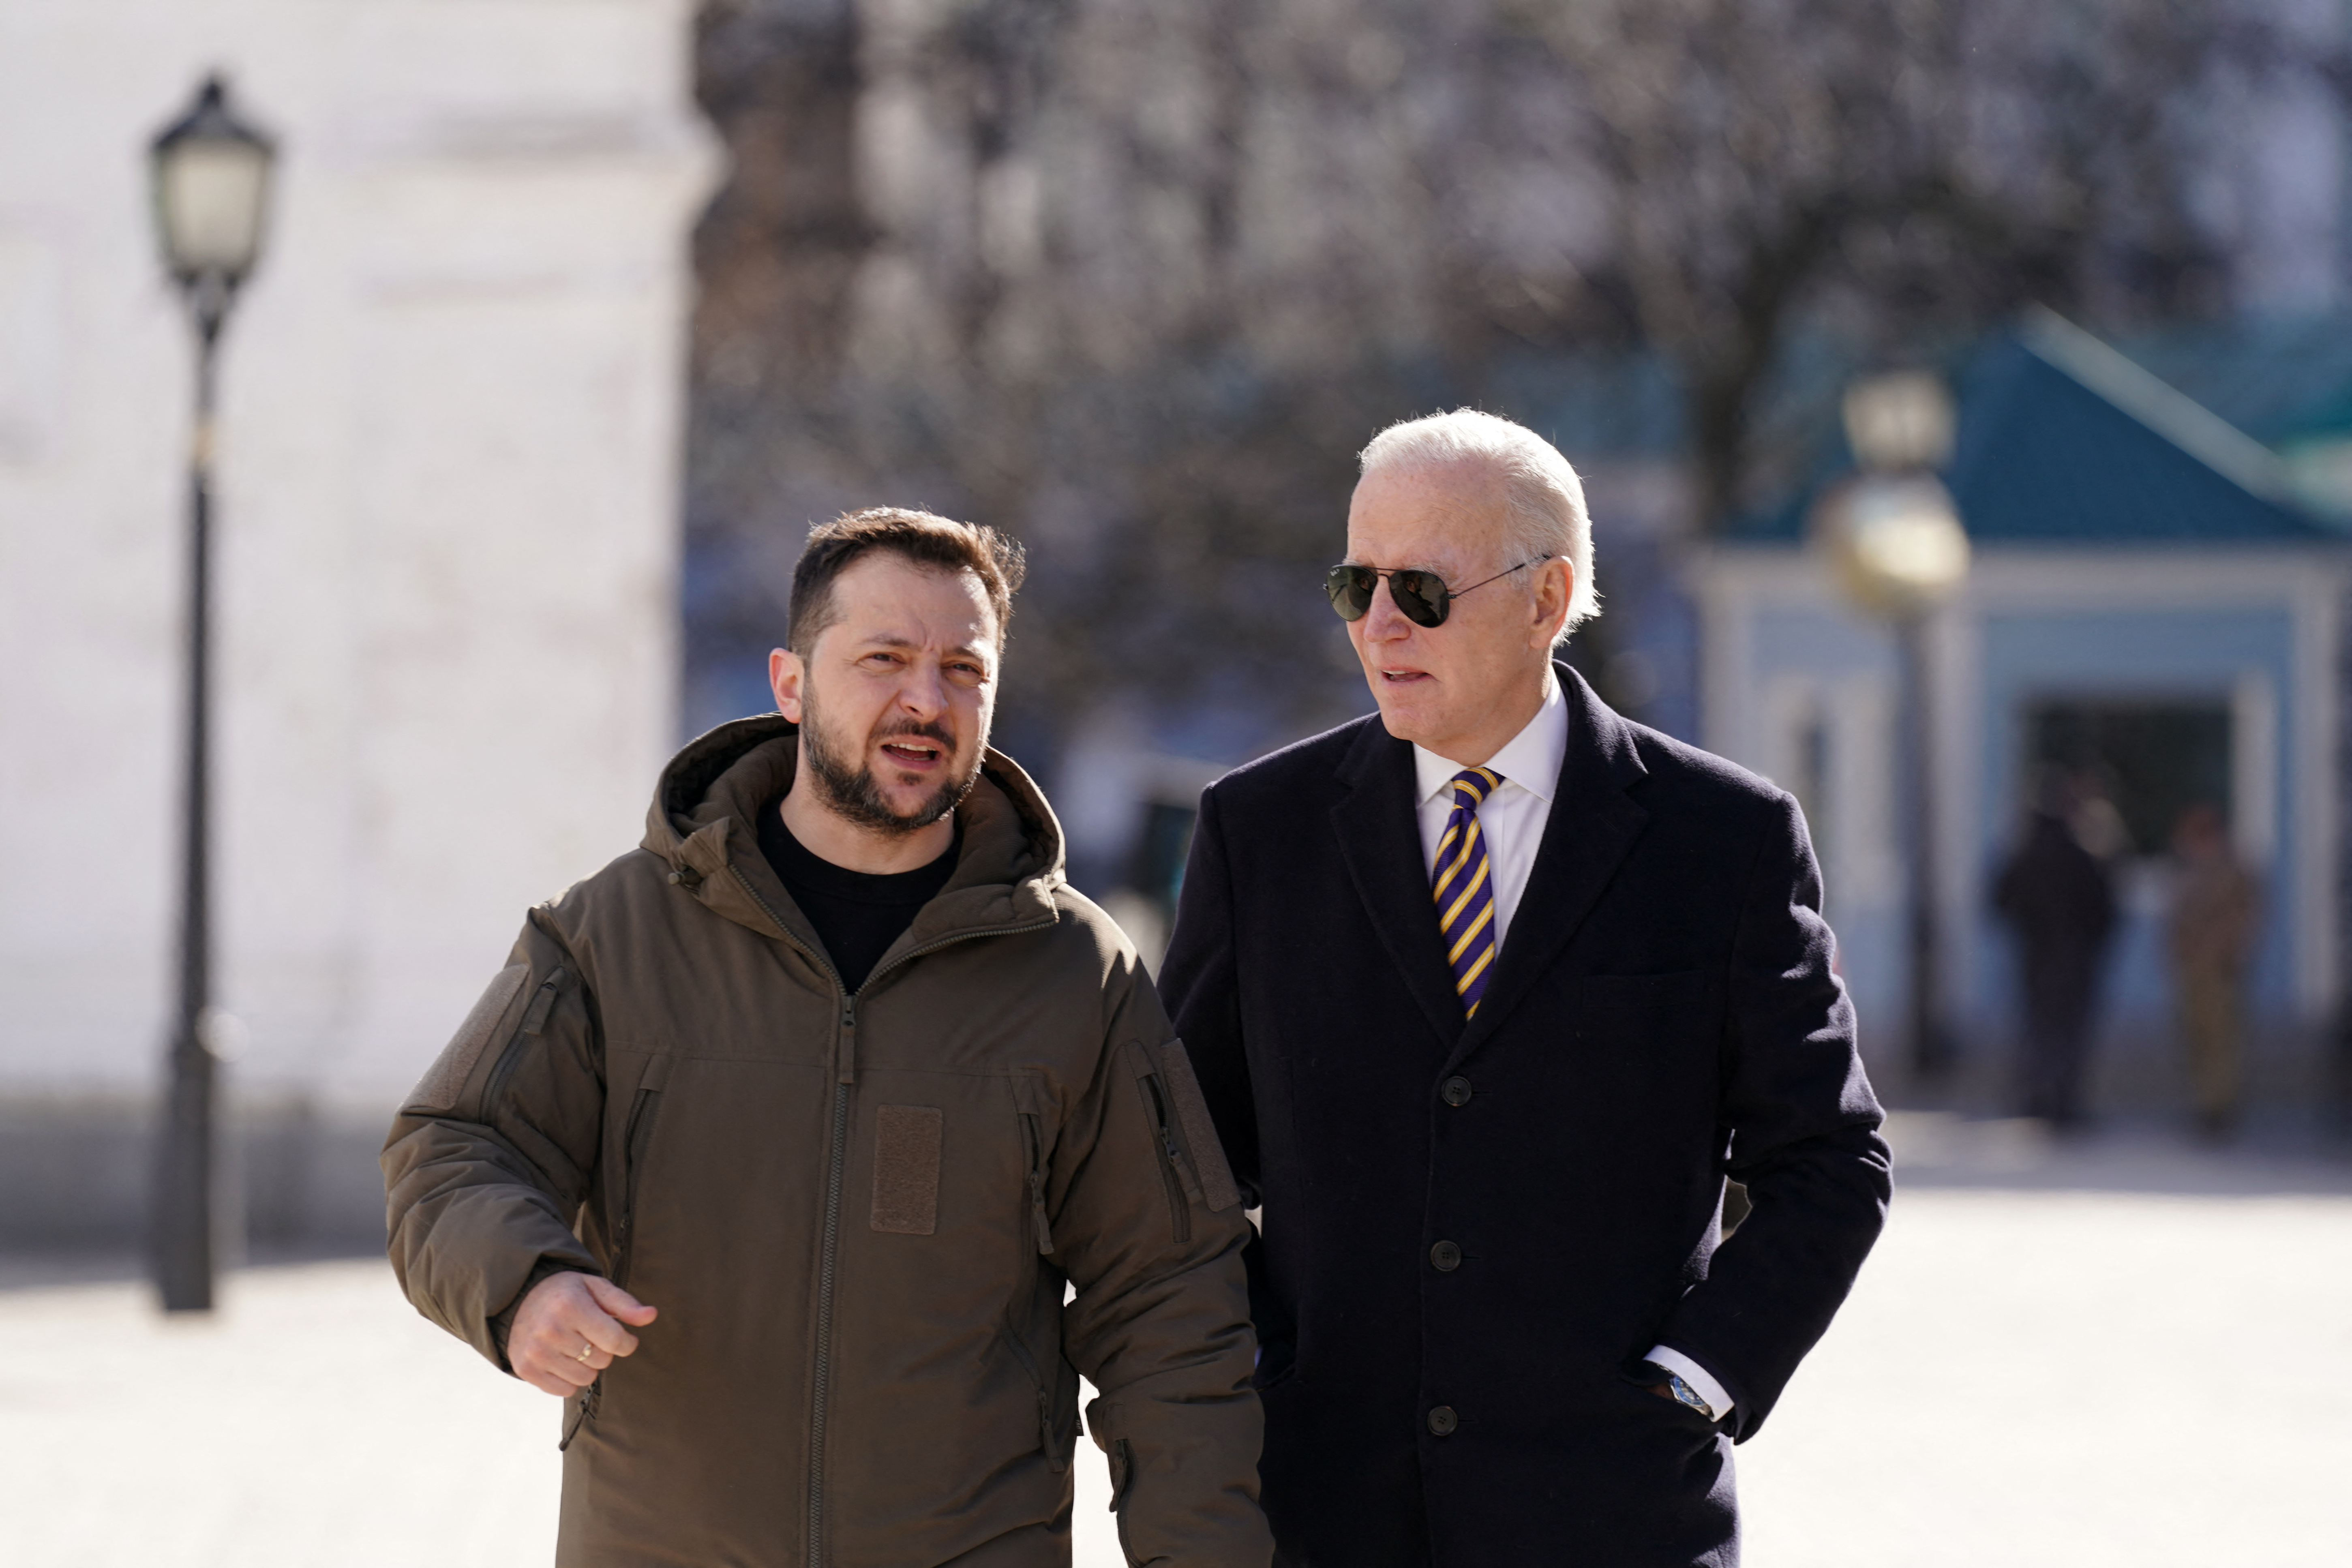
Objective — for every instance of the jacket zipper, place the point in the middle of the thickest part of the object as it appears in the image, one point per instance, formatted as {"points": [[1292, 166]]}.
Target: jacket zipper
{"points": [[1033, 1141], [845, 1055], [1122, 1472], [822, 1383], [635, 1139], [1032, 1147], [534, 1021], [1172, 1168]]}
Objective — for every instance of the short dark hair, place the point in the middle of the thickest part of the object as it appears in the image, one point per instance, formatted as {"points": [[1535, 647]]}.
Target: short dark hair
{"points": [[921, 536]]}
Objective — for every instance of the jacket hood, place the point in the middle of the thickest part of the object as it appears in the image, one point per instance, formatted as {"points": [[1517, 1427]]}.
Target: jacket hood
{"points": [[704, 823]]}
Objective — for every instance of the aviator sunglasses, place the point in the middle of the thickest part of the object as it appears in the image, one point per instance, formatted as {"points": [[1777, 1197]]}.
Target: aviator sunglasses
{"points": [[1423, 596]]}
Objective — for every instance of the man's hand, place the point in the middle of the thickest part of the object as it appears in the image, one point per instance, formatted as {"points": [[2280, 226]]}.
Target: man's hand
{"points": [[569, 1328]]}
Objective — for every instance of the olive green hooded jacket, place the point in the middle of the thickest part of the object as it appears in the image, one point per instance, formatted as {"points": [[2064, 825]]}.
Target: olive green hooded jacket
{"points": [[857, 1213]]}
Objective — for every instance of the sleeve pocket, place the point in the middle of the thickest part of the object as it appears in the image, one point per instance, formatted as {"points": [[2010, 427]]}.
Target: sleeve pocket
{"points": [[1191, 1108], [445, 1081]]}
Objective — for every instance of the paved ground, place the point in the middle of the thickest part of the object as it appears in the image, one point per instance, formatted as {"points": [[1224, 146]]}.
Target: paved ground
{"points": [[2123, 1353], [316, 1422]]}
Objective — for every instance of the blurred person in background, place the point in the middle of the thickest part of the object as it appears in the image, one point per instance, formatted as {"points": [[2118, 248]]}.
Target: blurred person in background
{"points": [[1489, 993], [2216, 906], [776, 1144], [2058, 899]]}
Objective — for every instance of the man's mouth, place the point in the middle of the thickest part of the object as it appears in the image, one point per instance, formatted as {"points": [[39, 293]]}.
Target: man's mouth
{"points": [[909, 752], [1399, 676]]}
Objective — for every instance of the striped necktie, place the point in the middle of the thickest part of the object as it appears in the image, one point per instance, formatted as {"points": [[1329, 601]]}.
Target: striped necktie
{"points": [[1464, 888]]}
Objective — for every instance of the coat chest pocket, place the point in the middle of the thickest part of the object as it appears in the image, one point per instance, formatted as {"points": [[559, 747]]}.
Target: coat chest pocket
{"points": [[1683, 991], [1639, 1025]]}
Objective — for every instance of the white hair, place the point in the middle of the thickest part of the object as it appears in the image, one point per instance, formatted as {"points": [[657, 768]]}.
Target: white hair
{"points": [[1544, 511]]}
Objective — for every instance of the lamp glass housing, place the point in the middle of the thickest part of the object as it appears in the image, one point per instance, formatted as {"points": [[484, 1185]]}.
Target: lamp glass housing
{"points": [[1899, 420], [1897, 542], [212, 191]]}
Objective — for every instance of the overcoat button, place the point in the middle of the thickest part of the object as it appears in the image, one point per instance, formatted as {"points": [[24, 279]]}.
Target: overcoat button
{"points": [[1441, 1420], [1446, 1256], [1457, 1090]]}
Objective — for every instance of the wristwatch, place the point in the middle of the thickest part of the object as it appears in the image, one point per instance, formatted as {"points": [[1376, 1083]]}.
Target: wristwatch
{"points": [[1685, 1394]]}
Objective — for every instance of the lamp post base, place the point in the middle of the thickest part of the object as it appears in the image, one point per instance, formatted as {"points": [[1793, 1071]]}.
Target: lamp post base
{"points": [[182, 1225], [1931, 1047]]}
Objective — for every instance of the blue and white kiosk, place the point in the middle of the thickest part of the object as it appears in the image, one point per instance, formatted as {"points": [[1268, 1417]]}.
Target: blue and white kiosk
{"points": [[2147, 599]]}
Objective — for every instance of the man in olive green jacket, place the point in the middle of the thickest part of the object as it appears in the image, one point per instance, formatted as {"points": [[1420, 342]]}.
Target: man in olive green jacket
{"points": [[791, 1227]]}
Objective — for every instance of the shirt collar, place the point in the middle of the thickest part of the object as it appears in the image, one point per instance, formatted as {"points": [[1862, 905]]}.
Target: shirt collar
{"points": [[1530, 759]]}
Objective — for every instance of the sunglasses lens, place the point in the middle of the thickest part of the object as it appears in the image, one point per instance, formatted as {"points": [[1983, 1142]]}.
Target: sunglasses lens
{"points": [[1350, 588], [1421, 596]]}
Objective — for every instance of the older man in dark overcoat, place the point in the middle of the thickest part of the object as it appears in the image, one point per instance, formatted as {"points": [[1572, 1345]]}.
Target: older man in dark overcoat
{"points": [[1489, 995]]}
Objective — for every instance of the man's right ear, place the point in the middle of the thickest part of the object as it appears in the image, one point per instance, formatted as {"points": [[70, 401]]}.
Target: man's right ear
{"points": [[785, 673]]}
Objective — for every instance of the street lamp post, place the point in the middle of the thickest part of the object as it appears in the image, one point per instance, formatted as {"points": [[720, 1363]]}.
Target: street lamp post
{"points": [[211, 184], [1895, 539]]}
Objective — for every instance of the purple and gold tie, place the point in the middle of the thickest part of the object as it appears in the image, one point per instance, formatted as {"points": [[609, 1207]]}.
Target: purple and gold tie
{"points": [[1464, 888]]}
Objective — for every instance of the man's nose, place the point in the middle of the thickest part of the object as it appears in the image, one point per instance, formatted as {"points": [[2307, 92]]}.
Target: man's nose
{"points": [[924, 692], [1384, 622]]}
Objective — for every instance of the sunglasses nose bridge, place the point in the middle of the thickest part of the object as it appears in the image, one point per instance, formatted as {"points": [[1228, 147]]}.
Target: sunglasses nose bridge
{"points": [[1386, 609]]}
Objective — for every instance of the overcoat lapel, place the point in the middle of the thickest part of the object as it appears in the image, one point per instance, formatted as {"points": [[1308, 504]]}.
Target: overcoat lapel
{"points": [[1379, 838], [1591, 828]]}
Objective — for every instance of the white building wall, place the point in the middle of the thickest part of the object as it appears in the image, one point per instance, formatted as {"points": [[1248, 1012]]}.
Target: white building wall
{"points": [[450, 431]]}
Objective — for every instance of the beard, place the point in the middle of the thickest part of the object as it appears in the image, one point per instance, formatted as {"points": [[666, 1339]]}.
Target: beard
{"points": [[854, 792]]}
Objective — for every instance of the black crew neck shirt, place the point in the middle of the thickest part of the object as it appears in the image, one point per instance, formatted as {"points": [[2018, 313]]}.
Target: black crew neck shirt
{"points": [[857, 914]]}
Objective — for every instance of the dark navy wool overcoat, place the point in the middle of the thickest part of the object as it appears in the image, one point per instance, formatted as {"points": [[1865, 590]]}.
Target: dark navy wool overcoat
{"points": [[1663, 1014]]}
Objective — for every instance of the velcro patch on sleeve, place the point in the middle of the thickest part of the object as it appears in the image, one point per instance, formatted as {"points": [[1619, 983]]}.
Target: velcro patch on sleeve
{"points": [[906, 1142], [445, 1081], [1217, 1188]]}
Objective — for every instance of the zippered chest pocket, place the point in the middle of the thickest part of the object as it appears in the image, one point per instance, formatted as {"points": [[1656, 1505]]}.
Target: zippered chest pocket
{"points": [[637, 1142], [1037, 1149]]}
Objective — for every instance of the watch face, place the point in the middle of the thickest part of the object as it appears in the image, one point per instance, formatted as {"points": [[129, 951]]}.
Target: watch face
{"points": [[1689, 1395]]}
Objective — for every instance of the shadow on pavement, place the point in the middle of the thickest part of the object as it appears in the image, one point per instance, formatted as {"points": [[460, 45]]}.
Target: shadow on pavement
{"points": [[57, 1270], [1938, 1149], [1933, 1150]]}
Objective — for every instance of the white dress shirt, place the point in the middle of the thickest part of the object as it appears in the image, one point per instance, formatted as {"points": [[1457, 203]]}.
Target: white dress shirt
{"points": [[1512, 818], [1512, 821]]}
